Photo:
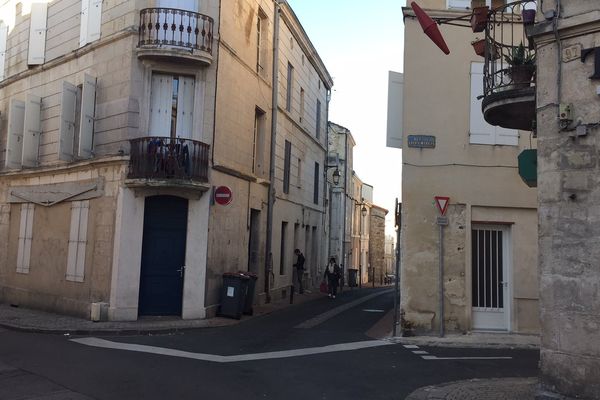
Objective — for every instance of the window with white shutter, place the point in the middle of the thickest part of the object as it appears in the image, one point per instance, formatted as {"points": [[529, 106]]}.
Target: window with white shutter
{"points": [[14, 145], [67, 121], [459, 4], [480, 131], [37, 34], [91, 21], [3, 47], [25, 238], [77, 240], [172, 106], [32, 130], [86, 123], [185, 107]]}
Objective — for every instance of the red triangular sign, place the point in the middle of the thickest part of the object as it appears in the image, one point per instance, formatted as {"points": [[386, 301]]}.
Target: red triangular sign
{"points": [[442, 203]]}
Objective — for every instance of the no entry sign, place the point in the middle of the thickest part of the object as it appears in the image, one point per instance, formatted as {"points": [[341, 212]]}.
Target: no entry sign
{"points": [[223, 195]]}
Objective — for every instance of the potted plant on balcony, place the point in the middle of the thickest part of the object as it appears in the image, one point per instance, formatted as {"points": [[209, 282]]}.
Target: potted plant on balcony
{"points": [[479, 18], [521, 66], [479, 46]]}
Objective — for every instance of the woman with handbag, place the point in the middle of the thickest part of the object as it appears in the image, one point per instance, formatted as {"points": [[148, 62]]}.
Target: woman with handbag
{"points": [[332, 275]]}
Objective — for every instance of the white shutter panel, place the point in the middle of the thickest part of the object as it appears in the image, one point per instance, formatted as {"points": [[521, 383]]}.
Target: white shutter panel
{"points": [[160, 105], [480, 131], [77, 241], [94, 23], [37, 34], [25, 238], [509, 137], [3, 39], [32, 130], [460, 4], [67, 121], [14, 145], [83, 28], [86, 125], [185, 107], [82, 240]]}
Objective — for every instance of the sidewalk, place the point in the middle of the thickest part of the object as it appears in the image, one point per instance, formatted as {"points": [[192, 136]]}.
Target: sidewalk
{"points": [[480, 389], [27, 320], [475, 340]]}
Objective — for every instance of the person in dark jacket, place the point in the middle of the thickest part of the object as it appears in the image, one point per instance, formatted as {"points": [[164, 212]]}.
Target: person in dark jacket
{"points": [[332, 274], [299, 265]]}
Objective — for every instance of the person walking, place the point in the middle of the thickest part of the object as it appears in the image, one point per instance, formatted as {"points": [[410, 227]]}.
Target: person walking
{"points": [[299, 265], [332, 274]]}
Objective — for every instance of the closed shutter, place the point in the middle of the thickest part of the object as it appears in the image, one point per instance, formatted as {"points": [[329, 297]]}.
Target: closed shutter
{"points": [[32, 130], [480, 132], [77, 241], [67, 121], [509, 137], [185, 107], [83, 28], [459, 4], [37, 34], [25, 238], [94, 20], [86, 123], [3, 39], [14, 145], [160, 105]]}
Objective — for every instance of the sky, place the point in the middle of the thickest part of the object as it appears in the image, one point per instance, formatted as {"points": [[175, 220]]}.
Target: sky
{"points": [[359, 42]]}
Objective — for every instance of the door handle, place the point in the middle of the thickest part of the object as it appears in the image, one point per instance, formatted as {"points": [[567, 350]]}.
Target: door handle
{"points": [[181, 270]]}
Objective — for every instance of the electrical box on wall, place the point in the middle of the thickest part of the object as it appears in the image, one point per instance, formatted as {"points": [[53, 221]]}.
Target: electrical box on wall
{"points": [[565, 112]]}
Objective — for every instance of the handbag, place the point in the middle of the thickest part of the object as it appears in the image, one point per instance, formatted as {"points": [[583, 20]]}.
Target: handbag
{"points": [[323, 287]]}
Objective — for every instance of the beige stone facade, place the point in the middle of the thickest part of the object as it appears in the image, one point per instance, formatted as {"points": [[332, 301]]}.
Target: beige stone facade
{"points": [[89, 196], [377, 244], [490, 248]]}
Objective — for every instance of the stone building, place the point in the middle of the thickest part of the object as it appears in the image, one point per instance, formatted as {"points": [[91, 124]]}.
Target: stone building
{"points": [[362, 201], [390, 255], [118, 121], [490, 279], [377, 244]]}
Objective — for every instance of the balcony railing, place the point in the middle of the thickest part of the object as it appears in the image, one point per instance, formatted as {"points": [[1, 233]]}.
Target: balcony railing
{"points": [[509, 55], [176, 28], [165, 158]]}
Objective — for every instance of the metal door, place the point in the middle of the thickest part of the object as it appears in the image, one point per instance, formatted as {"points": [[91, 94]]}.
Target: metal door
{"points": [[490, 278], [163, 255]]}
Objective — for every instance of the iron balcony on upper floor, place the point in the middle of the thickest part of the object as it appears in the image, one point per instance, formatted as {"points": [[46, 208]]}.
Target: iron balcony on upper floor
{"points": [[175, 35]]}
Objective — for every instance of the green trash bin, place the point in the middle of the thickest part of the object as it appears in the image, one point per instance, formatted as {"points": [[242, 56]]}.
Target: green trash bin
{"points": [[352, 274], [249, 302], [233, 295]]}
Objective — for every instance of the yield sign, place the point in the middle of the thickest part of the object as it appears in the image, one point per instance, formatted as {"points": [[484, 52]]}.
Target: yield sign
{"points": [[442, 203]]}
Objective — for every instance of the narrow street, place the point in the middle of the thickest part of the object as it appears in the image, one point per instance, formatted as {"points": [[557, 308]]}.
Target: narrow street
{"points": [[320, 349]]}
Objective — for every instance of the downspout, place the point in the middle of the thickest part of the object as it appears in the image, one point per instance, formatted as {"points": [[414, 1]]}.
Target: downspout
{"points": [[345, 196], [274, 108], [327, 209]]}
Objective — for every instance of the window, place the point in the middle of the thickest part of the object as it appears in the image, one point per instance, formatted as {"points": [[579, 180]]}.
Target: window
{"points": [[301, 104], [171, 106], [316, 189], [480, 131], [77, 240], [24, 129], [459, 4], [282, 248], [261, 43], [37, 34], [3, 47], [290, 85], [286, 167], [299, 177], [25, 238], [318, 130], [258, 142], [91, 21]]}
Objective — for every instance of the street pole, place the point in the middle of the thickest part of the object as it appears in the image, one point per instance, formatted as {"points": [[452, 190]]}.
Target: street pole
{"points": [[398, 211], [360, 247], [441, 280]]}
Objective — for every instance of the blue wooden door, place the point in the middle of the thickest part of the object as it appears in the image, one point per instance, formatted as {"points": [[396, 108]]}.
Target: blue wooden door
{"points": [[163, 255]]}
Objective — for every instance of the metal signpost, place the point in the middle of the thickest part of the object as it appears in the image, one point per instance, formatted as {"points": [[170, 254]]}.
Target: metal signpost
{"points": [[398, 221], [442, 205]]}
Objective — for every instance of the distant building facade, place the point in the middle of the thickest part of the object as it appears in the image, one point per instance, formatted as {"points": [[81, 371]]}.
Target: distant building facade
{"points": [[377, 244]]}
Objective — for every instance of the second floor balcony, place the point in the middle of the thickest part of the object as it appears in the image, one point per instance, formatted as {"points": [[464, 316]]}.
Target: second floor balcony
{"points": [[175, 35], [510, 67]]}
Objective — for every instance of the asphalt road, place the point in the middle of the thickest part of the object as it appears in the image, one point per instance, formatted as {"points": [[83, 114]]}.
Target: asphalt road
{"points": [[56, 367]]}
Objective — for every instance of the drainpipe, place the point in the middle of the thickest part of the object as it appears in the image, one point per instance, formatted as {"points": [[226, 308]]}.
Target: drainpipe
{"points": [[274, 107], [345, 195]]}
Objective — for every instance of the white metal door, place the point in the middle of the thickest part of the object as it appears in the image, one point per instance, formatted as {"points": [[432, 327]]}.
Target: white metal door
{"points": [[490, 278]]}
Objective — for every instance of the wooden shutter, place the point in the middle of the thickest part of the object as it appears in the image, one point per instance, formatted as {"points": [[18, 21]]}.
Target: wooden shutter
{"points": [[160, 105], [32, 130], [459, 4], [25, 238], [83, 28], [94, 24], [77, 241], [480, 132], [508, 137], [3, 40], [86, 123], [14, 145], [37, 34], [185, 107], [286, 167], [67, 121]]}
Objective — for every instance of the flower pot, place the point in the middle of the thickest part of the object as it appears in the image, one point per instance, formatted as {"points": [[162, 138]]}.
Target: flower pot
{"points": [[479, 18], [528, 17], [521, 75], [479, 47]]}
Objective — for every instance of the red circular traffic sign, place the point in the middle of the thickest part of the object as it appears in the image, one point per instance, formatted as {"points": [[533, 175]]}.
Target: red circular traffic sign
{"points": [[223, 195]]}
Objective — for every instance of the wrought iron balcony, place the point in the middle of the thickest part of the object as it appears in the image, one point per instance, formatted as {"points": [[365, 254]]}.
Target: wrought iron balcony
{"points": [[173, 34], [167, 159], [510, 67]]}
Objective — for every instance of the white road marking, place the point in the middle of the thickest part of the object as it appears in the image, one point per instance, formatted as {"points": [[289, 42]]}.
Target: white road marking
{"points": [[319, 319], [374, 311], [434, 358], [420, 352], [411, 346], [107, 344]]}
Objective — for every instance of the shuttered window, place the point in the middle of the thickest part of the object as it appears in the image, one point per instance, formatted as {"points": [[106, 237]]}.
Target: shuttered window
{"points": [[459, 4], [3, 47], [37, 34], [67, 121], [172, 106], [77, 240], [286, 167], [91, 21], [86, 123], [480, 131], [316, 188], [14, 145], [318, 131], [25, 238], [32, 130]]}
